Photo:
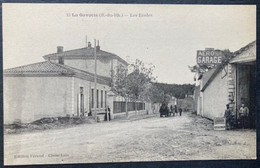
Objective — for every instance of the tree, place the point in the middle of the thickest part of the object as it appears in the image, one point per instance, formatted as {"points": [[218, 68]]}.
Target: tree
{"points": [[177, 90], [139, 81], [119, 83], [135, 85], [159, 94]]}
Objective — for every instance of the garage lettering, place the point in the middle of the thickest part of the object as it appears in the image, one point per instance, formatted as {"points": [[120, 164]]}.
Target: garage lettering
{"points": [[209, 60]]}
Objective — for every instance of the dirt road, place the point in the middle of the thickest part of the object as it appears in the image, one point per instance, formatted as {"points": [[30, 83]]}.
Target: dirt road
{"points": [[184, 137]]}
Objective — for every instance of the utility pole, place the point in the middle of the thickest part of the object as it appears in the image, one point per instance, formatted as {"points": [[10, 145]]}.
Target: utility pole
{"points": [[95, 81], [126, 94]]}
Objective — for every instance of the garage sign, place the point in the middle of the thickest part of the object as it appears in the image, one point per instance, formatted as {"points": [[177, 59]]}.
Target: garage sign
{"points": [[209, 57]]}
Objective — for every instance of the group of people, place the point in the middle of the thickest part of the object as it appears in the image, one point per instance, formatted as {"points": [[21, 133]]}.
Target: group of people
{"points": [[165, 110], [242, 120]]}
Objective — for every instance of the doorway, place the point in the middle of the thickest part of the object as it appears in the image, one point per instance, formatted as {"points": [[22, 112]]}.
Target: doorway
{"points": [[246, 90], [80, 108]]}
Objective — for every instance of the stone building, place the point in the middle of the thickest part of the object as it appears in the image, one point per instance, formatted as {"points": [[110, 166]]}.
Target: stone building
{"points": [[62, 85]]}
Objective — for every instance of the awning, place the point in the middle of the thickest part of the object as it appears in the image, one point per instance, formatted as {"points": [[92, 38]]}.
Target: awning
{"points": [[246, 56]]}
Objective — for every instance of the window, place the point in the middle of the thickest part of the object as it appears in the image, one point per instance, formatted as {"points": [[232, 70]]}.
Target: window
{"points": [[105, 98], [92, 98], [81, 90], [101, 98], [61, 60], [97, 100]]}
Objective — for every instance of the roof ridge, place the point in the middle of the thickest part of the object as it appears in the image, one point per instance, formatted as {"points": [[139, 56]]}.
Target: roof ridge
{"points": [[85, 51], [109, 52], [64, 52]]}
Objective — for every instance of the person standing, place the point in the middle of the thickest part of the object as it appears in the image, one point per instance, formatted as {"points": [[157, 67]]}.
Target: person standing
{"points": [[108, 109], [180, 111], [175, 109], [228, 115], [243, 115], [171, 110], [107, 114]]}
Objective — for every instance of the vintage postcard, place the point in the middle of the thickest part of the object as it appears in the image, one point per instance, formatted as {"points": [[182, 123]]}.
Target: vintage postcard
{"points": [[103, 83]]}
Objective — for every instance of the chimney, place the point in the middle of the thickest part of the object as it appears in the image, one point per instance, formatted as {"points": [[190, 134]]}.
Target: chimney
{"points": [[59, 49], [98, 47], [89, 44]]}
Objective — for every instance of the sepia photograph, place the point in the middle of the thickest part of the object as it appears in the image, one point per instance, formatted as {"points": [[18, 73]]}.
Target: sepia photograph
{"points": [[114, 83]]}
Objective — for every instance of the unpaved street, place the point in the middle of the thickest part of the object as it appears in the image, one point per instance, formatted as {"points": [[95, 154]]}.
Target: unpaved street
{"points": [[153, 139]]}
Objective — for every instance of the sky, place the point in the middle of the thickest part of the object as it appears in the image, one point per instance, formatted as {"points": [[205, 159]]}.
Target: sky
{"points": [[167, 36]]}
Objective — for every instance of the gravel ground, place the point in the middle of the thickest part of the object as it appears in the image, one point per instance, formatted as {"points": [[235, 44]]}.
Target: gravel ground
{"points": [[186, 137]]}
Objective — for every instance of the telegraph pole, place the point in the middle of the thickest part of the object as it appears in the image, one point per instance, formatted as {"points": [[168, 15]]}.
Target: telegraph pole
{"points": [[95, 80]]}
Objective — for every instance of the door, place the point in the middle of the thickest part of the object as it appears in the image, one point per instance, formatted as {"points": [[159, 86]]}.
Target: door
{"points": [[252, 96], [82, 104]]}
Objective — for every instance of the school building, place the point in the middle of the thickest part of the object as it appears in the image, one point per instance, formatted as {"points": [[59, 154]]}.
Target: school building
{"points": [[62, 85]]}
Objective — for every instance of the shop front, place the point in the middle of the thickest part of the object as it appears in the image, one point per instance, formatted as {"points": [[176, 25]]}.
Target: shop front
{"points": [[245, 83]]}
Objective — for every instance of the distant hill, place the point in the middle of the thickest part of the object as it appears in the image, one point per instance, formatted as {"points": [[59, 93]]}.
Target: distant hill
{"points": [[176, 90]]}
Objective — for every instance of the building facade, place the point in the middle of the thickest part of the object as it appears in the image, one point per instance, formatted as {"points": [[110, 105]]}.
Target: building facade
{"points": [[63, 85], [233, 84]]}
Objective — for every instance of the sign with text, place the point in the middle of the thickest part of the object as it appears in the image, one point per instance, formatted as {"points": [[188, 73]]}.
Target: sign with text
{"points": [[209, 57], [219, 123]]}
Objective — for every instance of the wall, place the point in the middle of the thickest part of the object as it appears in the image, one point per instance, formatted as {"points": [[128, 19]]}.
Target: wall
{"points": [[130, 113], [31, 98], [87, 91], [103, 66], [215, 96], [196, 99]]}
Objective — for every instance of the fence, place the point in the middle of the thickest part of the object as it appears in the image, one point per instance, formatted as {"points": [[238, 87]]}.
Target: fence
{"points": [[119, 106]]}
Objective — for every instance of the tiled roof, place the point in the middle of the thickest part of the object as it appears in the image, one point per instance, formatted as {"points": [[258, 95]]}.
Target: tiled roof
{"points": [[245, 54], [245, 48], [84, 52], [87, 51], [48, 67], [41, 67], [209, 76]]}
